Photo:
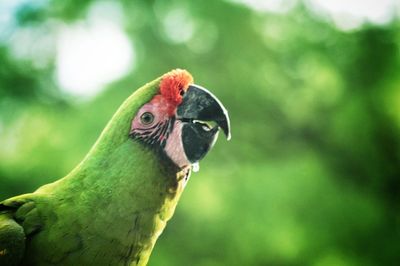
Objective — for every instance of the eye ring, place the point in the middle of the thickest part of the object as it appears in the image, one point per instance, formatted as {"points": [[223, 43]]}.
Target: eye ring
{"points": [[147, 118]]}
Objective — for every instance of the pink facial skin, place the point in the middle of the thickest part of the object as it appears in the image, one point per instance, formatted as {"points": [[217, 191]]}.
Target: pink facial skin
{"points": [[173, 145], [157, 108]]}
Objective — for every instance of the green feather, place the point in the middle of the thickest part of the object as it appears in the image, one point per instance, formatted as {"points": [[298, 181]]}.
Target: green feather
{"points": [[109, 210]]}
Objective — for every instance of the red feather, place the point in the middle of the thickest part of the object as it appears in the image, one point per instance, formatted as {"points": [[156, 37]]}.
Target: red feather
{"points": [[172, 87]]}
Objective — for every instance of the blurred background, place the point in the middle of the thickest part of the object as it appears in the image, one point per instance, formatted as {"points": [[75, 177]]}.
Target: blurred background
{"points": [[311, 175]]}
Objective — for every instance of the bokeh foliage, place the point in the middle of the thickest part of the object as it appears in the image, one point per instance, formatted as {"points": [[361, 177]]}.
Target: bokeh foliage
{"points": [[311, 176]]}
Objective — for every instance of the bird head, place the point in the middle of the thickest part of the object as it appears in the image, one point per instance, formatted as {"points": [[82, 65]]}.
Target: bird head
{"points": [[181, 119]]}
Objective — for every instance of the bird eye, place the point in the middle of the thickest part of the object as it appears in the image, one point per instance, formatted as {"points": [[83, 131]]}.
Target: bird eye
{"points": [[147, 118]]}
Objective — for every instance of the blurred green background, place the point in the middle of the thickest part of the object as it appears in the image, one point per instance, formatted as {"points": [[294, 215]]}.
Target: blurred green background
{"points": [[311, 175]]}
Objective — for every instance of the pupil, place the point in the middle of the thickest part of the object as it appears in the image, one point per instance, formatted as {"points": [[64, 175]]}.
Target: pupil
{"points": [[147, 118]]}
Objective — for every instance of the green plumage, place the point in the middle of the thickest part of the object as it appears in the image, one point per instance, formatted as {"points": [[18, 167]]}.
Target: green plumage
{"points": [[108, 211]]}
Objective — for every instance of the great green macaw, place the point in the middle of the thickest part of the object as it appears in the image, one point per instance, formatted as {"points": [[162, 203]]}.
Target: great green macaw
{"points": [[111, 208]]}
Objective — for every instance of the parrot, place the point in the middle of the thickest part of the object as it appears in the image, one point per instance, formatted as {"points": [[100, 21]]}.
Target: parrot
{"points": [[112, 207]]}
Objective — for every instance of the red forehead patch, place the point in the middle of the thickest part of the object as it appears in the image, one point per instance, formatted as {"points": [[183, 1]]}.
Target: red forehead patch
{"points": [[173, 84]]}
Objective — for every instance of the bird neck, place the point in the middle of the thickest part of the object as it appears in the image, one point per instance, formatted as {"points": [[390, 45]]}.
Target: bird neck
{"points": [[129, 188], [131, 174]]}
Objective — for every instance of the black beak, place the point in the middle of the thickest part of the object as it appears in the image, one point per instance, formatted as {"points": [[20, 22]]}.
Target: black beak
{"points": [[199, 106]]}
